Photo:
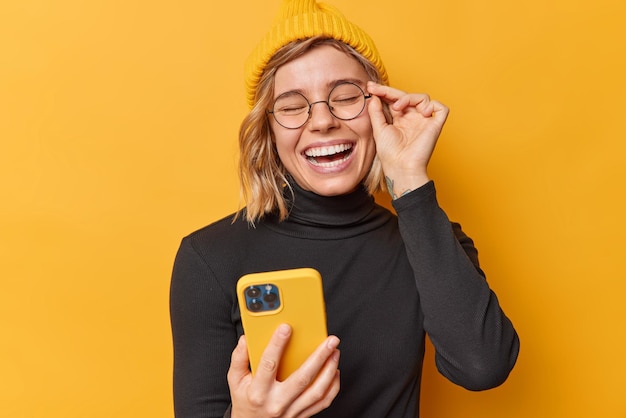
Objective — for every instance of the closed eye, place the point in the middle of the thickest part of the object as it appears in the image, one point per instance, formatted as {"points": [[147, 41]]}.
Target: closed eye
{"points": [[292, 109], [346, 100]]}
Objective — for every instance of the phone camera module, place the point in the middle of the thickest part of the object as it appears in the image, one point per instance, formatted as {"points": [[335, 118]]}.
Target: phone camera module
{"points": [[262, 298]]}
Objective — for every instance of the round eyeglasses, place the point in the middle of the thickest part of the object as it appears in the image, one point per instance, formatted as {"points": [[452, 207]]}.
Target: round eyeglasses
{"points": [[345, 101]]}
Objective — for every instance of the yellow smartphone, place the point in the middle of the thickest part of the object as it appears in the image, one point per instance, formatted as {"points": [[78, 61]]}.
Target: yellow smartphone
{"points": [[293, 297]]}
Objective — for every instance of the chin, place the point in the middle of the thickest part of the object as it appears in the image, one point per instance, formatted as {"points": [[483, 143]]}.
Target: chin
{"points": [[333, 188]]}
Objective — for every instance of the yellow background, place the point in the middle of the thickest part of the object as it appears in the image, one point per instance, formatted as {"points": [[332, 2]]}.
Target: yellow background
{"points": [[118, 124]]}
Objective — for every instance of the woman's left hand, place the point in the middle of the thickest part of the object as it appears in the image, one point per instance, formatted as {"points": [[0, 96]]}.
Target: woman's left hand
{"points": [[405, 146]]}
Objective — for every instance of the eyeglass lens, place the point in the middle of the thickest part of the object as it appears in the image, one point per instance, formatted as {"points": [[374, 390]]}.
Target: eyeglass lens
{"points": [[346, 101]]}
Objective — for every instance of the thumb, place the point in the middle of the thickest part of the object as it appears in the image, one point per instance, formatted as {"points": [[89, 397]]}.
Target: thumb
{"points": [[377, 117], [239, 362]]}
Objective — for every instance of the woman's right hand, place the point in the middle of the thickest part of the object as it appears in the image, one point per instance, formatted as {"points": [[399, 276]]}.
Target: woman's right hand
{"points": [[307, 391]]}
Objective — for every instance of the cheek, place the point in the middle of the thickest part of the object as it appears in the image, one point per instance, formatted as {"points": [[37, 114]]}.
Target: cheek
{"points": [[364, 125], [371, 152], [367, 135], [285, 143], [365, 131]]}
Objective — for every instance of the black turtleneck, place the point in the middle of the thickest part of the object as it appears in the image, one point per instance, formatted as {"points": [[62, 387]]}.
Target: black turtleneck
{"points": [[315, 217], [387, 280]]}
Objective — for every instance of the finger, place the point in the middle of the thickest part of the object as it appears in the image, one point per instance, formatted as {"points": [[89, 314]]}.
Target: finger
{"points": [[387, 94], [265, 374], [377, 116], [239, 363], [421, 102], [326, 401], [326, 386], [320, 394], [440, 111], [333, 390], [300, 380], [400, 100]]}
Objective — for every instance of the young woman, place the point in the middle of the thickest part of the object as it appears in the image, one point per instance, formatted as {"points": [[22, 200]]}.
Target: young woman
{"points": [[323, 134]]}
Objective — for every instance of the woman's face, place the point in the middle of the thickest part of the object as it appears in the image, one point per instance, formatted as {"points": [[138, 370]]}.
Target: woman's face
{"points": [[326, 155]]}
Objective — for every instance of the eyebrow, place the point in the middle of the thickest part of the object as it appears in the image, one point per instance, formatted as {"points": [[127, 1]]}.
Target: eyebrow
{"points": [[330, 85]]}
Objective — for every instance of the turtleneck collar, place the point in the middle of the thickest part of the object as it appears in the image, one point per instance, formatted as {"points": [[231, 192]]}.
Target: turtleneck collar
{"points": [[329, 217]]}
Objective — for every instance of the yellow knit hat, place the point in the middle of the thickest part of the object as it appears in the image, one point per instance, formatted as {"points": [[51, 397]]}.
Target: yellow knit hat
{"points": [[301, 19]]}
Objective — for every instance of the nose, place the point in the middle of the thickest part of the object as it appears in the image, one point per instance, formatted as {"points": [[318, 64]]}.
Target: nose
{"points": [[322, 119]]}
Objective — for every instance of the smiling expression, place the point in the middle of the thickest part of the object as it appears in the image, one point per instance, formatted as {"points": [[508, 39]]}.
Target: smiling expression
{"points": [[326, 155]]}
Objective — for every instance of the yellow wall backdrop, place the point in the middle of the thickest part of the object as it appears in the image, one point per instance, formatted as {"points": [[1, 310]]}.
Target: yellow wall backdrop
{"points": [[118, 124]]}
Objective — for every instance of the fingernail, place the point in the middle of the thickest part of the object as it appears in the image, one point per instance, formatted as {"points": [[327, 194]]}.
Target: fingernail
{"points": [[332, 342], [284, 330]]}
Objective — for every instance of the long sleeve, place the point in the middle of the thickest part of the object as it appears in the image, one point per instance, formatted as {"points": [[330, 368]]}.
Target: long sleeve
{"points": [[203, 336], [476, 344]]}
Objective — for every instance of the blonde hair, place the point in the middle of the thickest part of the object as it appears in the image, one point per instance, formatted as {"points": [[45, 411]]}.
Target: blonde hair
{"points": [[263, 177]]}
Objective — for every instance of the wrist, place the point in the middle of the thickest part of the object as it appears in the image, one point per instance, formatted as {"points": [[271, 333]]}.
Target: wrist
{"points": [[399, 185]]}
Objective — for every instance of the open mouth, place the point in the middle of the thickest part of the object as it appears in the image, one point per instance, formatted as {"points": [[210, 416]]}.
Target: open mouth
{"points": [[330, 156]]}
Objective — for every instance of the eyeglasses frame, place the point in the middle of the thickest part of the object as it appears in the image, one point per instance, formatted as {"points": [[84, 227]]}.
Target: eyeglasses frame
{"points": [[327, 101]]}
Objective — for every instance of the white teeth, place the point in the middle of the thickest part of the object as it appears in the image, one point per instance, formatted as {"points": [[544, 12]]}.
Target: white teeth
{"points": [[328, 164], [330, 150]]}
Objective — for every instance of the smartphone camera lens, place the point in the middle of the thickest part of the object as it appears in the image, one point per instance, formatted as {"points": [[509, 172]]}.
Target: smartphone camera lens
{"points": [[270, 297], [253, 292], [255, 305]]}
